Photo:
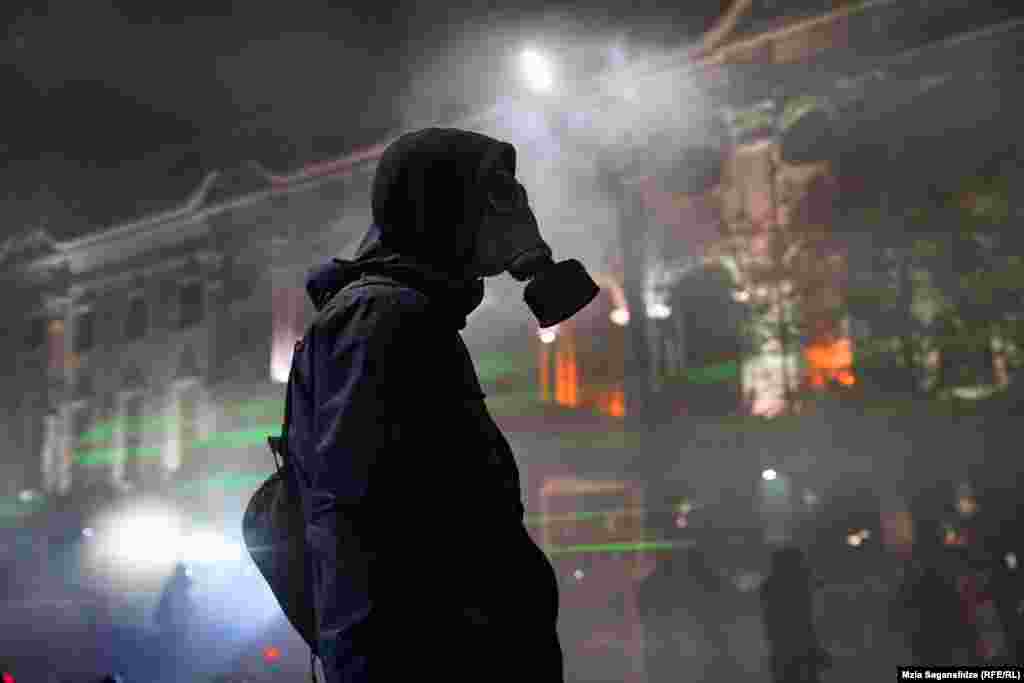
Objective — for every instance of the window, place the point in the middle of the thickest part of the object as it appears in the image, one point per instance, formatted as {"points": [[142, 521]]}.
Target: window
{"points": [[35, 335], [138, 319], [55, 333], [188, 429], [191, 304], [83, 474], [244, 333], [134, 470], [85, 331], [30, 434]]}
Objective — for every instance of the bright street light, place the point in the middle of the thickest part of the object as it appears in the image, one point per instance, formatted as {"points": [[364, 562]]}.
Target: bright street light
{"points": [[659, 311], [537, 70], [149, 536], [769, 474]]}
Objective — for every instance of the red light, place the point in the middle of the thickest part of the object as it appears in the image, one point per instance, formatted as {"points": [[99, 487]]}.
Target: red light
{"points": [[8, 678], [271, 654]]}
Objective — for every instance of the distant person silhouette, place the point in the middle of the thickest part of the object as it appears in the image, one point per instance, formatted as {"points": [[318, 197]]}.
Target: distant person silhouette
{"points": [[787, 607], [174, 614]]}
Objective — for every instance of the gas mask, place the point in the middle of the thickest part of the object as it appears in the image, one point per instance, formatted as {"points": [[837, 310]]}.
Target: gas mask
{"points": [[509, 240]]}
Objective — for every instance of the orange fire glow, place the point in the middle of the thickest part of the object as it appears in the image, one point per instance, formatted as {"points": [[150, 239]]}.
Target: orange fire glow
{"points": [[611, 403], [617, 408], [567, 377], [830, 362]]}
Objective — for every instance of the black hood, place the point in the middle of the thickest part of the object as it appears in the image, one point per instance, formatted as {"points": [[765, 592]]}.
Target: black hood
{"points": [[426, 212]]}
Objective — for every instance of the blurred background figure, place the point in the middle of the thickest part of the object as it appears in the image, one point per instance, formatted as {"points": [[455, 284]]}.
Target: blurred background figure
{"points": [[174, 617], [939, 634], [787, 612], [1007, 595], [173, 612]]}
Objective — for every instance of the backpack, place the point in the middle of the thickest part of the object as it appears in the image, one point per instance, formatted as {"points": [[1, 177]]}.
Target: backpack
{"points": [[274, 529]]}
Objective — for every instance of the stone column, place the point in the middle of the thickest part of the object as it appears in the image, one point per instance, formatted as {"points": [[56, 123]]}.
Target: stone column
{"points": [[56, 462], [50, 457], [216, 325]]}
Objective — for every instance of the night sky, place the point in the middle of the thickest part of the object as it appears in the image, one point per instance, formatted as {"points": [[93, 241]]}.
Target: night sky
{"points": [[114, 110]]}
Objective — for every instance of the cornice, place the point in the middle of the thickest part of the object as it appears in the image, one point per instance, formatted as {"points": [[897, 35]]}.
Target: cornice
{"points": [[56, 304], [165, 229], [130, 277]]}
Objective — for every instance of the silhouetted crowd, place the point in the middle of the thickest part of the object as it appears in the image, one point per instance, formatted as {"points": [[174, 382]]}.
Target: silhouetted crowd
{"points": [[946, 606]]}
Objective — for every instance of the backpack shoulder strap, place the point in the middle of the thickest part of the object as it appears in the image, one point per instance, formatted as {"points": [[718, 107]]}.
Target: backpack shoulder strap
{"points": [[279, 446]]}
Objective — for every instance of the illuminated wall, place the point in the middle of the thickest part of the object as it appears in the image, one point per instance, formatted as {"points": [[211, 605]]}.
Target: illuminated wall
{"points": [[288, 325], [767, 203], [764, 381]]}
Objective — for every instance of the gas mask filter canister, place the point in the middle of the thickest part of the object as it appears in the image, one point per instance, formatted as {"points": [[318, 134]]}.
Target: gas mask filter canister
{"points": [[509, 239], [559, 291]]}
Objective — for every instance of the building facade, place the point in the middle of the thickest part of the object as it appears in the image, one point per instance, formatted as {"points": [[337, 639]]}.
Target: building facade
{"points": [[152, 353]]}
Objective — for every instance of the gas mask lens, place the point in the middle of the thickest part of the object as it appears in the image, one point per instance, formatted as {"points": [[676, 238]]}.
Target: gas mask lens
{"points": [[508, 228], [505, 194]]}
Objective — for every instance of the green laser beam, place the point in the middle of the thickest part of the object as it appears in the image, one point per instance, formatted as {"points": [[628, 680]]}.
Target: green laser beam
{"points": [[239, 438], [227, 481], [625, 547], [109, 456]]}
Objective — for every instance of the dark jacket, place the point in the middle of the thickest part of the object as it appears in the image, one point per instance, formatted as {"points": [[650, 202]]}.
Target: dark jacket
{"points": [[411, 492]]}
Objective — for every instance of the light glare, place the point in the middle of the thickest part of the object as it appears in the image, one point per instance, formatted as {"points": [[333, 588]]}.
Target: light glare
{"points": [[151, 538], [769, 475], [537, 70], [659, 311]]}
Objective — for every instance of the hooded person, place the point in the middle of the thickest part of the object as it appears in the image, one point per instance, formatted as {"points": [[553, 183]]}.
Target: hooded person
{"points": [[411, 495]]}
